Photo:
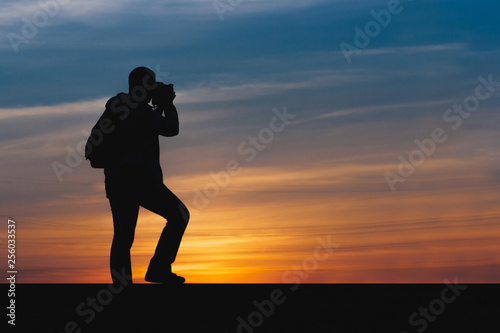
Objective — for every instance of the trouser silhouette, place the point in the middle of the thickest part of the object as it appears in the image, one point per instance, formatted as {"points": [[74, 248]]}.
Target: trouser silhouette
{"points": [[125, 210]]}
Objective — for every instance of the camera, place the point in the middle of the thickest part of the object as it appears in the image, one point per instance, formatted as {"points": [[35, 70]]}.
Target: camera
{"points": [[163, 94]]}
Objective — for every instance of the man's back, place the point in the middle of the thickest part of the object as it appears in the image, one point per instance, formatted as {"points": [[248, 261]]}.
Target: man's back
{"points": [[138, 157]]}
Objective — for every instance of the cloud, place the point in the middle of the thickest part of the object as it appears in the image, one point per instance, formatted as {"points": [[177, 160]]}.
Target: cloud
{"points": [[59, 11], [301, 80], [64, 109], [378, 108], [92, 11], [413, 49]]}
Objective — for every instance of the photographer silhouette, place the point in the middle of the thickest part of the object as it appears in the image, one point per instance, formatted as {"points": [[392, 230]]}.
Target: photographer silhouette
{"points": [[133, 175]]}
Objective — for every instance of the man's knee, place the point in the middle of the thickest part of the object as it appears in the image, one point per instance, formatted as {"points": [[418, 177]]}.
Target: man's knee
{"points": [[184, 212]]}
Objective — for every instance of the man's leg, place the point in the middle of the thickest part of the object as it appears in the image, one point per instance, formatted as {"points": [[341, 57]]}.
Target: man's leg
{"points": [[125, 212], [163, 202]]}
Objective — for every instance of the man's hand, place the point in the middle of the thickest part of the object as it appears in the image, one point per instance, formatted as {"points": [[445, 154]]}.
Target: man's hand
{"points": [[163, 96], [169, 93]]}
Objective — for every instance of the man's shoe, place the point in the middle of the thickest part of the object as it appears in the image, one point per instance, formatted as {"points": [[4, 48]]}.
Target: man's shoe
{"points": [[168, 278]]}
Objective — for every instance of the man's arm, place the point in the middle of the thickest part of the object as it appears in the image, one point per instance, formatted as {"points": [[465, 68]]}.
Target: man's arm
{"points": [[168, 120]]}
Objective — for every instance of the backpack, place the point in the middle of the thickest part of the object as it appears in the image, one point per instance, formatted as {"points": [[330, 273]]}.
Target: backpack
{"points": [[105, 143]]}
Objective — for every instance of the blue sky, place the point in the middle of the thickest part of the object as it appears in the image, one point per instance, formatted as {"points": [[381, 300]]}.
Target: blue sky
{"points": [[352, 121]]}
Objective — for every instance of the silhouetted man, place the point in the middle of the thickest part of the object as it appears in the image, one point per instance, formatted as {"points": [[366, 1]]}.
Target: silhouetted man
{"points": [[134, 177]]}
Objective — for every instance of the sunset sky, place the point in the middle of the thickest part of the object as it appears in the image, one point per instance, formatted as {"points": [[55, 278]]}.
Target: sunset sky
{"points": [[389, 151]]}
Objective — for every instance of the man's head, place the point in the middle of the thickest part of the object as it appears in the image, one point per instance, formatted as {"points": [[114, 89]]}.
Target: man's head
{"points": [[142, 82]]}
